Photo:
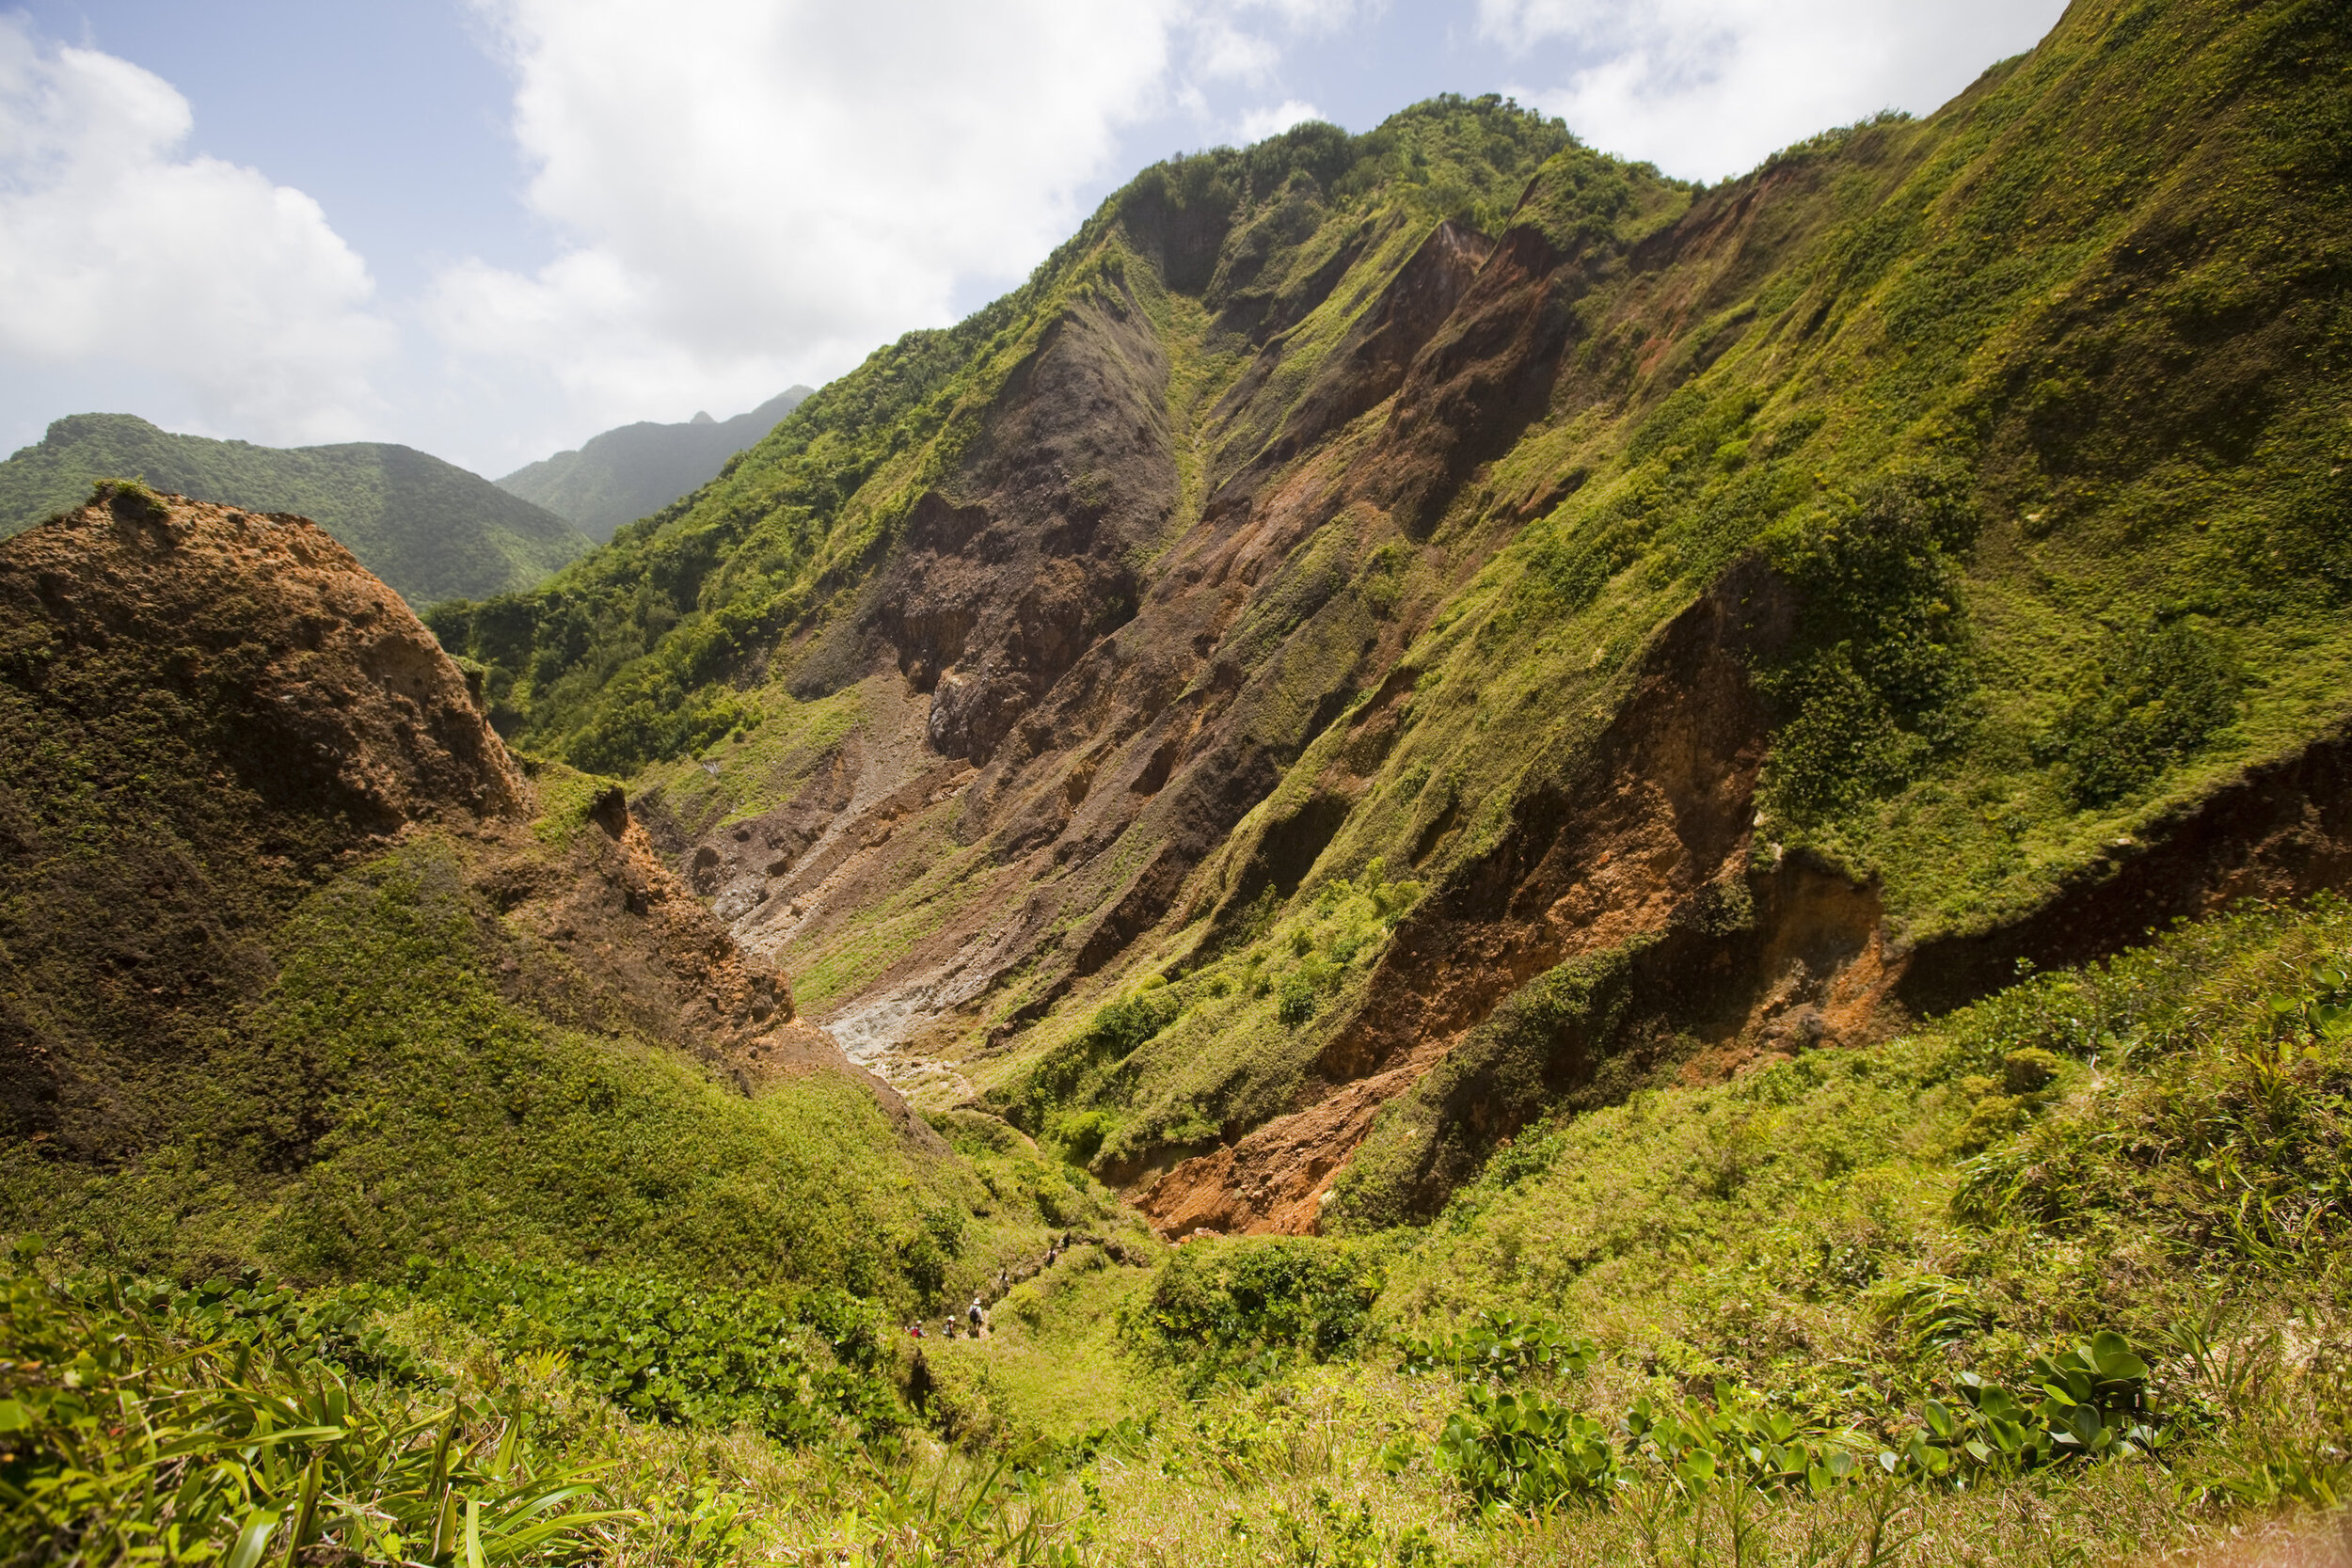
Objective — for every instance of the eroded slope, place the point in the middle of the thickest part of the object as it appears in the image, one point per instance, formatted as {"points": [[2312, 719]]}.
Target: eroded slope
{"points": [[1446, 614]]}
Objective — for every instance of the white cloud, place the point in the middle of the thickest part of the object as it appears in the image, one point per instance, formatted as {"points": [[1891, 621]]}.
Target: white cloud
{"points": [[198, 280], [1315, 16], [1225, 48], [751, 193], [1258, 124], [1224, 53], [748, 193], [1706, 89]]}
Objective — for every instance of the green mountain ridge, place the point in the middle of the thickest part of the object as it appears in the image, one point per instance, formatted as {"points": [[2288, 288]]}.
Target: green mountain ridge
{"points": [[1839, 565], [635, 471], [1517, 863], [428, 528]]}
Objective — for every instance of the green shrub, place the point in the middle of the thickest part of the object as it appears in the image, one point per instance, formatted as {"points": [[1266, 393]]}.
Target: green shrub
{"points": [[2156, 695], [1295, 998], [1874, 681], [1110, 1037], [801, 1367], [2090, 1402], [1243, 1306], [1523, 1449], [1499, 1345], [1077, 1135], [128, 497]]}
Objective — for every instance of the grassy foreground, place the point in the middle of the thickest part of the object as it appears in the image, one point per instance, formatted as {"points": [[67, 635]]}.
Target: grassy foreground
{"points": [[2059, 1278]]}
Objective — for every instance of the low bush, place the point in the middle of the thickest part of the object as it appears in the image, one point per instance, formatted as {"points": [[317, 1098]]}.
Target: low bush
{"points": [[1523, 1449], [1499, 1345], [1244, 1308], [2156, 695], [1110, 1037], [1875, 680], [800, 1367]]}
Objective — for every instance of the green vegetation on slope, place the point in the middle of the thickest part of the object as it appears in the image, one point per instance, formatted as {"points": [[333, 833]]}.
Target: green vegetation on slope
{"points": [[2039, 405], [637, 469], [543, 1141], [2058, 1278], [385, 1102], [430, 529], [1988, 400], [625, 660]]}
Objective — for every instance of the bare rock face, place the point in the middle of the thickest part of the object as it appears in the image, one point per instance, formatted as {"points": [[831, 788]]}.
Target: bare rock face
{"points": [[996, 594]]}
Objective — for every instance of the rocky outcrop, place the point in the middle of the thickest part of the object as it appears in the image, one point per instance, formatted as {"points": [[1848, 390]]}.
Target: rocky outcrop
{"points": [[208, 713], [992, 596], [322, 691]]}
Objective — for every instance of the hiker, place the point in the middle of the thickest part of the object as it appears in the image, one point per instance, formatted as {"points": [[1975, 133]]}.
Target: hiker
{"points": [[978, 1318], [915, 1331]]}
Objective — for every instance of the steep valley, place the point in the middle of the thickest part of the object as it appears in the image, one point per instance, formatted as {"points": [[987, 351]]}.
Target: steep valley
{"points": [[1782, 580], [1511, 861]]}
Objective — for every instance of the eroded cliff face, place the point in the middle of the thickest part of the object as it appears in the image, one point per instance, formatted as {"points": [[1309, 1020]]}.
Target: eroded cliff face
{"points": [[1090, 655], [1719, 950], [208, 716], [1321, 676]]}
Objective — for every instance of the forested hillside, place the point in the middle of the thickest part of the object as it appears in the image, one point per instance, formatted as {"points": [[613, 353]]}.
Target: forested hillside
{"points": [[431, 529]]}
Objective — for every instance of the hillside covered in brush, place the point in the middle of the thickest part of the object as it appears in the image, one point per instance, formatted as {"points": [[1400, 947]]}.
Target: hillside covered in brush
{"points": [[428, 528], [300, 970], [634, 471], [1442, 623]]}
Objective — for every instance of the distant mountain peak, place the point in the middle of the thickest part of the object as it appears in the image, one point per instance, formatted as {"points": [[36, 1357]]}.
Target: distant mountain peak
{"points": [[635, 471]]}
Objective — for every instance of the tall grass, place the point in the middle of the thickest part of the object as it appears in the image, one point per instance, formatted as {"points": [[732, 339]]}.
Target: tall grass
{"points": [[137, 1428]]}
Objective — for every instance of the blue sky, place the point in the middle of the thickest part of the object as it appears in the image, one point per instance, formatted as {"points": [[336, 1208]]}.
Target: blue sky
{"points": [[393, 115], [489, 228]]}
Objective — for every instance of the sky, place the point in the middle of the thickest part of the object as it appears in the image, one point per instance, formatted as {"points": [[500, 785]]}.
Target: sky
{"points": [[491, 229]]}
